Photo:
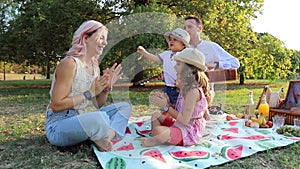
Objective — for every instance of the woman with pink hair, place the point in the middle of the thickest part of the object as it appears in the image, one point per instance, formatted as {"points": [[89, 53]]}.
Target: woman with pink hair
{"points": [[76, 86]]}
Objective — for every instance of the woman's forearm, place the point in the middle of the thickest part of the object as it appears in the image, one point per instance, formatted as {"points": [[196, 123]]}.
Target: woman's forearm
{"points": [[100, 99], [66, 103]]}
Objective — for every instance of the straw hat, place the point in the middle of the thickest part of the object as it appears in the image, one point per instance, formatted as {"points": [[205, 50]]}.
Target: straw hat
{"points": [[181, 34], [193, 57]]}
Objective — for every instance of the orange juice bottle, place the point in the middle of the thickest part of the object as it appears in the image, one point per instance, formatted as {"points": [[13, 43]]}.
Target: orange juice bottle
{"points": [[264, 108]]}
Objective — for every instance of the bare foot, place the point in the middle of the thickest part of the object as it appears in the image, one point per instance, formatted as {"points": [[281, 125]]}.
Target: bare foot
{"points": [[104, 144], [148, 142]]}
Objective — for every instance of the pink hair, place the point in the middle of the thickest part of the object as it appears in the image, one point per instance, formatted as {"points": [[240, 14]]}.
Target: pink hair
{"points": [[78, 44]]}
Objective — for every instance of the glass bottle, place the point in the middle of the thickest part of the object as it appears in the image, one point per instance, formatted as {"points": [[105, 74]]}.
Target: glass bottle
{"points": [[263, 108], [250, 106], [281, 94], [281, 97]]}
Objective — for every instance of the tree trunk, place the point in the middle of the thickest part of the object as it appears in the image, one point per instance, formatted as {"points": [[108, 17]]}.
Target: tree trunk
{"points": [[242, 78], [48, 70]]}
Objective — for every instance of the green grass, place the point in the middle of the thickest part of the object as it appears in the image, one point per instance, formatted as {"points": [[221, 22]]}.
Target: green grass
{"points": [[22, 116]]}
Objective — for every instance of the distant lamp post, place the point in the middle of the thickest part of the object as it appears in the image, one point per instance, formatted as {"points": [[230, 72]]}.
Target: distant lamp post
{"points": [[4, 72]]}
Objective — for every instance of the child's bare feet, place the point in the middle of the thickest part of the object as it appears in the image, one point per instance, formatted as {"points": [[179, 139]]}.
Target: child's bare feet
{"points": [[148, 142], [104, 144]]}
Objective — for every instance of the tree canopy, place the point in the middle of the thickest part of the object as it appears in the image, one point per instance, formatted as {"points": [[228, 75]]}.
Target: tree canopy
{"points": [[40, 32]]}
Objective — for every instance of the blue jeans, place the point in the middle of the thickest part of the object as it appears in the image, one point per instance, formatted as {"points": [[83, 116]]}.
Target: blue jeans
{"points": [[172, 93], [68, 128]]}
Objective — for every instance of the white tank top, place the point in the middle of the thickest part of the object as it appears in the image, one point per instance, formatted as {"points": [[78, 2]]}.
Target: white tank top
{"points": [[82, 82]]}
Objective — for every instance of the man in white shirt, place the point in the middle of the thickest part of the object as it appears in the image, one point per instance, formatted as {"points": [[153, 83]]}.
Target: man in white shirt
{"points": [[213, 52], [215, 56]]}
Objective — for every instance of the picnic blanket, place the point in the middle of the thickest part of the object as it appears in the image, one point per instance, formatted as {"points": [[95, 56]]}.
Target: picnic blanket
{"points": [[225, 141]]}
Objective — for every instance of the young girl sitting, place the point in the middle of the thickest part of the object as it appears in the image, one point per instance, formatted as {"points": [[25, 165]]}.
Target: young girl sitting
{"points": [[185, 124]]}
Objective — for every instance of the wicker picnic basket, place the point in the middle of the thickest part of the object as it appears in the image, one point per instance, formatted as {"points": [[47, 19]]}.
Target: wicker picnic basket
{"points": [[290, 107]]}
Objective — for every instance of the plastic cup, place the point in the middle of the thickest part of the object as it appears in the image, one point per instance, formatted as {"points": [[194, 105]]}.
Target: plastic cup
{"points": [[278, 121], [297, 123]]}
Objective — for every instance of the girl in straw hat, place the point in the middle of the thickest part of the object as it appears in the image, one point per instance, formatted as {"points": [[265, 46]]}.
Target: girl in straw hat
{"points": [[185, 123]]}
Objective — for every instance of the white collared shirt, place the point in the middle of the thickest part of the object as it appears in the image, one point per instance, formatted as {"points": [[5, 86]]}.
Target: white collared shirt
{"points": [[215, 53]]}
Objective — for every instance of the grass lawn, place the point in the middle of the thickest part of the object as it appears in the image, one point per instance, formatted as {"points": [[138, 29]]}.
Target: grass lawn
{"points": [[22, 116]]}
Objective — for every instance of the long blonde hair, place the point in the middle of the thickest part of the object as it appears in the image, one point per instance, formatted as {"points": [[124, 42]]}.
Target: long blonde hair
{"points": [[191, 77]]}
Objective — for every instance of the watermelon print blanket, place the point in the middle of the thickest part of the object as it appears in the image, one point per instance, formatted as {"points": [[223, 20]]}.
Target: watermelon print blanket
{"points": [[225, 141]]}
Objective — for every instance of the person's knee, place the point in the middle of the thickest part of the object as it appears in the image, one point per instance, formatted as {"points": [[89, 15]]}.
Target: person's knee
{"points": [[155, 131], [158, 130], [97, 119], [125, 108]]}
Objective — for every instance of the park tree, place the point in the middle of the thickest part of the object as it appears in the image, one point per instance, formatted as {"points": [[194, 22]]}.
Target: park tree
{"points": [[43, 28], [269, 59], [295, 59], [7, 13]]}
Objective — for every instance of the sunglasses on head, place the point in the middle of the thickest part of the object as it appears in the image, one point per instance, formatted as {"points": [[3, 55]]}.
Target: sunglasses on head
{"points": [[91, 33]]}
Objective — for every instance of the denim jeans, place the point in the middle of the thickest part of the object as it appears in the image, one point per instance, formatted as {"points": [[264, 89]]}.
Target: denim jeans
{"points": [[68, 128], [172, 93]]}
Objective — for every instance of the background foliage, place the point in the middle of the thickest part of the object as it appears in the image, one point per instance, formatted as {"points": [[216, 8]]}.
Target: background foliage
{"points": [[39, 32]]}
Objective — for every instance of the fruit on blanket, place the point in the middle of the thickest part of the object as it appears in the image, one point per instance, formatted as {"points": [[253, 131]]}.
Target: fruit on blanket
{"points": [[254, 125], [287, 130], [270, 124], [262, 120], [189, 155], [239, 115], [154, 153], [115, 163], [248, 123], [126, 147], [232, 153], [230, 117], [263, 126], [254, 119]]}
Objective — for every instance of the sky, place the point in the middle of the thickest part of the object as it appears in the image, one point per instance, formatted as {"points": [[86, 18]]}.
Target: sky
{"points": [[280, 18]]}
